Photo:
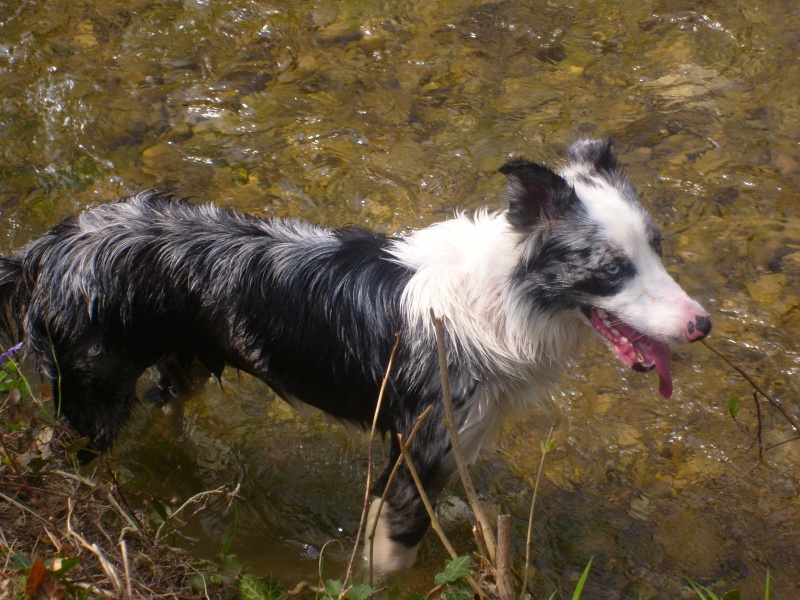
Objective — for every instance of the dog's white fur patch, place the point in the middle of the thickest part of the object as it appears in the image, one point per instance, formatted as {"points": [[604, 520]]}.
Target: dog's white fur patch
{"points": [[461, 270], [388, 556]]}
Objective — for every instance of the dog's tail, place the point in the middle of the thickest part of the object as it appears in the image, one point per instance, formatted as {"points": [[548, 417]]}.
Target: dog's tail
{"points": [[10, 277]]}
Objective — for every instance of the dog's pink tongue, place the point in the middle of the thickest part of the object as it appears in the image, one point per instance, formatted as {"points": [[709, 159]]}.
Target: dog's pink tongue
{"points": [[661, 359]]}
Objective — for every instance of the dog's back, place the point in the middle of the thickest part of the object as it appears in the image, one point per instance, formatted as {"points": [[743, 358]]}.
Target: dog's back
{"points": [[151, 279]]}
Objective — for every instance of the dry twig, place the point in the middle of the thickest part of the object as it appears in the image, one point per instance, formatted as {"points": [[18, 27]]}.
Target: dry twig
{"points": [[789, 418], [503, 571], [108, 568], [369, 465], [452, 428], [437, 527], [398, 463]]}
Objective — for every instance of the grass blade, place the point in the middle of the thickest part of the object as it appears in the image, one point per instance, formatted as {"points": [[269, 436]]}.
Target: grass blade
{"points": [[582, 580]]}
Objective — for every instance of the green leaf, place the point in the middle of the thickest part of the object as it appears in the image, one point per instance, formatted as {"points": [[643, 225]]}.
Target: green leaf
{"points": [[460, 591], [73, 448], [233, 563], [766, 589], [702, 592], [732, 595], [454, 570], [361, 591], [160, 510], [550, 445], [198, 582], [20, 562], [733, 406], [582, 580], [66, 565], [226, 546], [333, 588], [261, 588]]}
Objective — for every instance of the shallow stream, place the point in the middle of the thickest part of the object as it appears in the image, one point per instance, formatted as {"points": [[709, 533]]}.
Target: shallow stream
{"points": [[391, 116]]}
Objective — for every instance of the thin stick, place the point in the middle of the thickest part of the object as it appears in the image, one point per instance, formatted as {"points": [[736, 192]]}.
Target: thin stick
{"points": [[196, 499], [794, 439], [760, 428], [437, 527], [503, 574], [108, 496], [94, 589], [19, 474], [450, 421], [124, 549], [24, 508], [398, 463], [363, 519], [792, 421], [533, 503], [95, 549]]}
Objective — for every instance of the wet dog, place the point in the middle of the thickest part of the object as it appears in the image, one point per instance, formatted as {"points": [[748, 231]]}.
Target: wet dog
{"points": [[313, 312]]}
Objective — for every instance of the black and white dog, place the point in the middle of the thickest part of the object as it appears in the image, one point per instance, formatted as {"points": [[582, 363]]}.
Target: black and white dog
{"points": [[313, 312]]}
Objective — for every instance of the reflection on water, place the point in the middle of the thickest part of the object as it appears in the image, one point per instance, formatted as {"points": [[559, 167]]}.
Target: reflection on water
{"points": [[391, 117]]}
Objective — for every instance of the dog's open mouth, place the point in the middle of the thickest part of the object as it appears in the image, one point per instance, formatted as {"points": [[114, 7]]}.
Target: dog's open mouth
{"points": [[636, 350]]}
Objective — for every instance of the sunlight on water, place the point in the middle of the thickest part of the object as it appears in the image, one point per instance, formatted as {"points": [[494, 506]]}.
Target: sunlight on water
{"points": [[392, 116]]}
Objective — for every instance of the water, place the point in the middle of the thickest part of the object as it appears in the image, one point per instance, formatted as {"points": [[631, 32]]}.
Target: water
{"points": [[391, 115]]}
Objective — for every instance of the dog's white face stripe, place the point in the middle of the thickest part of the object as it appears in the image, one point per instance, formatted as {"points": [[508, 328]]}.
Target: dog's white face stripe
{"points": [[652, 301], [623, 222]]}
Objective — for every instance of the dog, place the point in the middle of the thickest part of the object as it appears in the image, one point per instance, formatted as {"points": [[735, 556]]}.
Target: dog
{"points": [[313, 312]]}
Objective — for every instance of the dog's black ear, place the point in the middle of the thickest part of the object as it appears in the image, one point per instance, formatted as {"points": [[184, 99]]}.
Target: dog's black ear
{"points": [[598, 153], [535, 193]]}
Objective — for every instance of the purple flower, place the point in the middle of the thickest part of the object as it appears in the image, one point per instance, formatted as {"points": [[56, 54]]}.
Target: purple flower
{"points": [[9, 354]]}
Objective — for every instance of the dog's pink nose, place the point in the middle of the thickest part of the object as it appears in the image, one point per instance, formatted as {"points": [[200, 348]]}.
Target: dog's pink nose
{"points": [[698, 329]]}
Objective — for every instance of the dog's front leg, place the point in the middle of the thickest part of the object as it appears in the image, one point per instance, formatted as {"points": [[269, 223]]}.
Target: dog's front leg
{"points": [[401, 521]]}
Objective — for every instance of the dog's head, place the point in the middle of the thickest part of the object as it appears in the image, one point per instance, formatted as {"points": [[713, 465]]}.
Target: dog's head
{"points": [[589, 245]]}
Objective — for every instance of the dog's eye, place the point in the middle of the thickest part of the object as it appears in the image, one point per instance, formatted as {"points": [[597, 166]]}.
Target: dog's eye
{"points": [[612, 269]]}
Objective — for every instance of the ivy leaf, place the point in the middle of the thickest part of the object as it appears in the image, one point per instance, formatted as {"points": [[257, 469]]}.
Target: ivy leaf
{"points": [[460, 591], [160, 510], [454, 570], [361, 591], [261, 588]]}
